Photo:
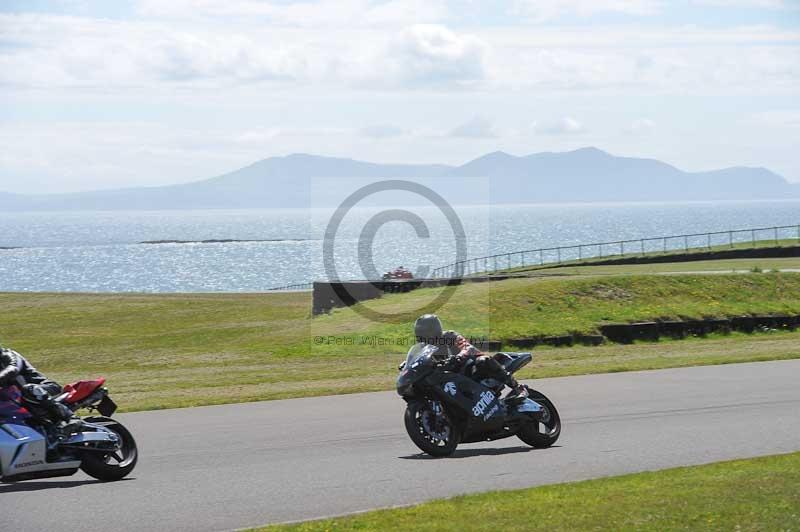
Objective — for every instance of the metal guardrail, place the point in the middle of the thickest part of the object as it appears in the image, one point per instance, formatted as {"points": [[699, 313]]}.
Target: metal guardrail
{"points": [[637, 246], [296, 286]]}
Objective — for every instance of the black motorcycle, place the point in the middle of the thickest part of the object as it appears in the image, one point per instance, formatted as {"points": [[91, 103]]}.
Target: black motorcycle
{"points": [[446, 408]]}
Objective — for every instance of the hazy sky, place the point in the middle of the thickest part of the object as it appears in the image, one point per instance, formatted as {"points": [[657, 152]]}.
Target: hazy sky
{"points": [[99, 94]]}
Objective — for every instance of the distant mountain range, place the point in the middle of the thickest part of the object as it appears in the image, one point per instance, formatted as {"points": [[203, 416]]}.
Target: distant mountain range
{"points": [[300, 180]]}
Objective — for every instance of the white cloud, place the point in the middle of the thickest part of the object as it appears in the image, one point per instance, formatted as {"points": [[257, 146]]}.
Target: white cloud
{"points": [[561, 126], [763, 4], [667, 61], [47, 51], [305, 14], [478, 127], [428, 54], [56, 51], [69, 51], [543, 10]]}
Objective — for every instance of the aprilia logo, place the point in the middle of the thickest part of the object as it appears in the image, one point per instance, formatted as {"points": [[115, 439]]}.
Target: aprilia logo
{"points": [[485, 400], [450, 388]]}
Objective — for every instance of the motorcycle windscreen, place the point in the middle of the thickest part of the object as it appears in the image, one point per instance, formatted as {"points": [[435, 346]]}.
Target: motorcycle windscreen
{"points": [[11, 404], [417, 350]]}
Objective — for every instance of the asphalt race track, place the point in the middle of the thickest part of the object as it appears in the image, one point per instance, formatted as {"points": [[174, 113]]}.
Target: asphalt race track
{"points": [[229, 467]]}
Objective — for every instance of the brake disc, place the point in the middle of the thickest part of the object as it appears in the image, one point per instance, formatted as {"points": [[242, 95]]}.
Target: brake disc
{"points": [[442, 434]]}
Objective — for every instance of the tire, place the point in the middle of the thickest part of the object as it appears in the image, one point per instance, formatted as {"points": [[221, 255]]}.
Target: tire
{"points": [[106, 467], [415, 422], [544, 433]]}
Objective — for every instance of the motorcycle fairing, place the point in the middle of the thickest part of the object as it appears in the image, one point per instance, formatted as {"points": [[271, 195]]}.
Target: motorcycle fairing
{"points": [[419, 363], [512, 362], [477, 403], [23, 452], [529, 406], [77, 391]]}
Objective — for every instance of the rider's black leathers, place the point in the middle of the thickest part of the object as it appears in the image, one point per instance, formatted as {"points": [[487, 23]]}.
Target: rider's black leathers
{"points": [[462, 357], [16, 370]]}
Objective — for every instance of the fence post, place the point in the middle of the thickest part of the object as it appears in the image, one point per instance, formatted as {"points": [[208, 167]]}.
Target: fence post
{"points": [[541, 258], [600, 250], [685, 242], [776, 236], [665, 244], [709, 240], [621, 248], [580, 252], [641, 242], [522, 258], [508, 259], [753, 236], [730, 238], [559, 255]]}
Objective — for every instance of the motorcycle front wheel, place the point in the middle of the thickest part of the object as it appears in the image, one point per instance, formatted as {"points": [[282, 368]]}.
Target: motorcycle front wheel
{"points": [[111, 466], [544, 432], [430, 429]]}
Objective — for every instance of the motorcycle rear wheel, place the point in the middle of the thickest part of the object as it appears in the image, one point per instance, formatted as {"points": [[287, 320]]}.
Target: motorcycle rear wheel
{"points": [[112, 466], [532, 433], [420, 413]]}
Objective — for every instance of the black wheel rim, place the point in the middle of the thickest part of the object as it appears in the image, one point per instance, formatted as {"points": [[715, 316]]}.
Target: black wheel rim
{"points": [[548, 420], [433, 427], [123, 456]]}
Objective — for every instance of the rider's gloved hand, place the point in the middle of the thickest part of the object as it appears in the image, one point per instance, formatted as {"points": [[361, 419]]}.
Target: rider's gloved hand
{"points": [[461, 342], [35, 392], [466, 348]]}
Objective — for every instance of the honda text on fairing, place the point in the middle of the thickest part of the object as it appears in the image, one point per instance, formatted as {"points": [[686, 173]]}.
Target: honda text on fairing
{"points": [[31, 446], [446, 408]]}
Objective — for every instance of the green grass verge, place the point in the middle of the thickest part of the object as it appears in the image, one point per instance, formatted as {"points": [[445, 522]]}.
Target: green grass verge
{"points": [[163, 351], [755, 494], [726, 265]]}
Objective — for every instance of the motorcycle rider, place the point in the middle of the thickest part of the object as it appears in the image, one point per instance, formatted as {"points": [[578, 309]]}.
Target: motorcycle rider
{"points": [[463, 357], [16, 370]]}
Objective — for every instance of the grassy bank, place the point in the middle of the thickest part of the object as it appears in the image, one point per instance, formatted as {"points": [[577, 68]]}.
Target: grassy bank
{"points": [[190, 349], [727, 265], [755, 494]]}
